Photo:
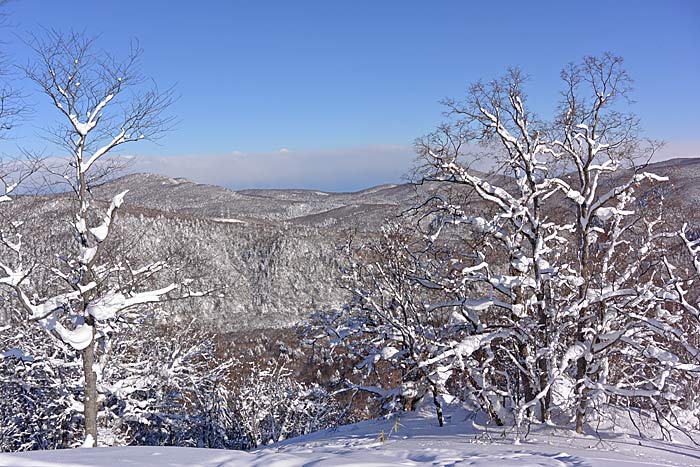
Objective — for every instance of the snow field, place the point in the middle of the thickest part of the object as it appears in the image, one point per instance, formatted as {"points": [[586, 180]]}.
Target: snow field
{"points": [[418, 442]]}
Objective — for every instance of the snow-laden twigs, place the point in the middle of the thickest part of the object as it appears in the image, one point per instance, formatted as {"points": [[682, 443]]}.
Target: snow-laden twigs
{"points": [[103, 106], [547, 286]]}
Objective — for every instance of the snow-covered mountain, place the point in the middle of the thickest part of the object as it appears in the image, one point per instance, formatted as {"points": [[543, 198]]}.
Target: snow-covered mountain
{"points": [[274, 250], [363, 210]]}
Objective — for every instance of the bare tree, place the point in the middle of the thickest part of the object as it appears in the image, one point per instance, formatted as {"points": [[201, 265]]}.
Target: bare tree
{"points": [[597, 138], [392, 325], [571, 260], [12, 106], [103, 104]]}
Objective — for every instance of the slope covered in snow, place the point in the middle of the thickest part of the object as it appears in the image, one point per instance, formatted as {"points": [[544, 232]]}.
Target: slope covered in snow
{"points": [[412, 440], [276, 250]]}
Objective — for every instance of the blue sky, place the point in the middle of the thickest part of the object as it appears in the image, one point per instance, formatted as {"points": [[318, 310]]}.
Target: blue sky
{"points": [[345, 77]]}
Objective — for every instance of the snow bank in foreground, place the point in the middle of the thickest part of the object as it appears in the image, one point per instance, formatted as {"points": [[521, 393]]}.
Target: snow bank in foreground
{"points": [[418, 442]]}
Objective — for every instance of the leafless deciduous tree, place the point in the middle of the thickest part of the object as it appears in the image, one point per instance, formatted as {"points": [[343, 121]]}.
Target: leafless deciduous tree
{"points": [[12, 106], [557, 282], [103, 103]]}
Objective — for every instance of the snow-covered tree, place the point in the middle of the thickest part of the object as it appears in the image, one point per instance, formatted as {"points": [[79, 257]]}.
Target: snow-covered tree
{"points": [[164, 384], [570, 252], [160, 384], [40, 389], [548, 283], [597, 138], [269, 405], [394, 328], [103, 105], [12, 106], [567, 239]]}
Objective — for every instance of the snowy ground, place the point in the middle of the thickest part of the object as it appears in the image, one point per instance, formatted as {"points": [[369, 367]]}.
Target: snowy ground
{"points": [[462, 442]]}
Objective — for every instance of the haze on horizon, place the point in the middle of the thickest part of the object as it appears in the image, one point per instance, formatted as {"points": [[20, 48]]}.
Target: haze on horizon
{"points": [[331, 95]]}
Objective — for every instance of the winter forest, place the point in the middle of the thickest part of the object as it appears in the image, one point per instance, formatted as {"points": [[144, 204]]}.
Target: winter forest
{"points": [[534, 274]]}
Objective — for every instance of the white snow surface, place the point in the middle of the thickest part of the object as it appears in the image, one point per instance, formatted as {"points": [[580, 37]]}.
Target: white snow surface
{"points": [[228, 221], [463, 441], [79, 338]]}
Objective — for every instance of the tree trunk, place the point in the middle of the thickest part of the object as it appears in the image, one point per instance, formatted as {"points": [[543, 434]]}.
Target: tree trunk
{"points": [[546, 401], [90, 392], [438, 407], [581, 391], [582, 364], [409, 404], [527, 382], [543, 365]]}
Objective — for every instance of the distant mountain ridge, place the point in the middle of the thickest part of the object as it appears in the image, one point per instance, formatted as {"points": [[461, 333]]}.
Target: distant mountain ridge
{"points": [[303, 207], [274, 250], [314, 207]]}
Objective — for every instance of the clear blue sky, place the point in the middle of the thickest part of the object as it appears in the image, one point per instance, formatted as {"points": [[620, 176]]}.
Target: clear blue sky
{"points": [[258, 76]]}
